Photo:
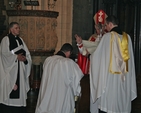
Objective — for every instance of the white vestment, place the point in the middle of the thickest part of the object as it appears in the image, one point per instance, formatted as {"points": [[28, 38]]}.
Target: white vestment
{"points": [[110, 91], [8, 74], [89, 46], [60, 83]]}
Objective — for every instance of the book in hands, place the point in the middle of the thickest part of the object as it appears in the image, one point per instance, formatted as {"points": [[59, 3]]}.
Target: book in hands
{"points": [[19, 50]]}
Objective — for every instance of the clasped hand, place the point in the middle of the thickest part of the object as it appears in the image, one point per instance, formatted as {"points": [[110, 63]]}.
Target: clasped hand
{"points": [[21, 57]]}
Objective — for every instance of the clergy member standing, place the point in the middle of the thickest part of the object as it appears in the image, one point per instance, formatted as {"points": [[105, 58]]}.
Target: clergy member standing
{"points": [[87, 47], [15, 65], [60, 83], [112, 75]]}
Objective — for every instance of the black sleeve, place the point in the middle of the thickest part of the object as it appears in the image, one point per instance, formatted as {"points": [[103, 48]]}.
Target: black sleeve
{"points": [[89, 56], [26, 62]]}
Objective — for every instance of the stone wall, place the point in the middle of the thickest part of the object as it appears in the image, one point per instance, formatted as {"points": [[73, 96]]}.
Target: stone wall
{"points": [[2, 18], [83, 23]]}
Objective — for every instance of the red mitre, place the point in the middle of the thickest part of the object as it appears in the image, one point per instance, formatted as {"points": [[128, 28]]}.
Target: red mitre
{"points": [[100, 17]]}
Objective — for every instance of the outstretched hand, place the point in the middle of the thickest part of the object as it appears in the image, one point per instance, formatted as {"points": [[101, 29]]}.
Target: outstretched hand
{"points": [[78, 39]]}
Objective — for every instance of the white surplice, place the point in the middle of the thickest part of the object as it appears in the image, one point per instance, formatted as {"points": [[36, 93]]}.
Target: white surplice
{"points": [[60, 83], [8, 74], [89, 46], [110, 91]]}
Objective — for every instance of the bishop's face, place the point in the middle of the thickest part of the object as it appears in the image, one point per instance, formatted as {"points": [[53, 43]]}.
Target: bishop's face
{"points": [[15, 30]]}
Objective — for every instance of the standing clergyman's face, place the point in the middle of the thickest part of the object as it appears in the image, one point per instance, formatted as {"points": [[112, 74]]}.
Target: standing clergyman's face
{"points": [[108, 26], [15, 30]]}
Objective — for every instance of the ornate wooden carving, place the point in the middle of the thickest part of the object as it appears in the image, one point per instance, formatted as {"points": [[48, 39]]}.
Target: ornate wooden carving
{"points": [[42, 53], [38, 29], [36, 13]]}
